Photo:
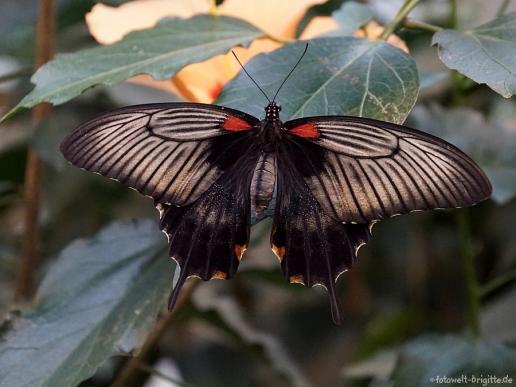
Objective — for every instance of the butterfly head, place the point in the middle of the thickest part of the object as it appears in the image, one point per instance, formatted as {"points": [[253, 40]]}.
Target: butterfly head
{"points": [[272, 111]]}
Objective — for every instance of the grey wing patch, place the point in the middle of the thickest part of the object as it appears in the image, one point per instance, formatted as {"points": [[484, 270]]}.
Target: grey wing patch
{"points": [[263, 187], [170, 152]]}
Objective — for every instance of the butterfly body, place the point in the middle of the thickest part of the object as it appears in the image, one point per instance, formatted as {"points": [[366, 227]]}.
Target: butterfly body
{"points": [[214, 171]]}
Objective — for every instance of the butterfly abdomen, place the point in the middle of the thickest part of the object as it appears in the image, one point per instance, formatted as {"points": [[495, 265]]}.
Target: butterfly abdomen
{"points": [[263, 187]]}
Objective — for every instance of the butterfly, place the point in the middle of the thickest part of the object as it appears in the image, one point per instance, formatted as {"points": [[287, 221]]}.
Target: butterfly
{"points": [[213, 172]]}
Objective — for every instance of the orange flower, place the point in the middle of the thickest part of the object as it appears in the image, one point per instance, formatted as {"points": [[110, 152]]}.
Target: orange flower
{"points": [[202, 82]]}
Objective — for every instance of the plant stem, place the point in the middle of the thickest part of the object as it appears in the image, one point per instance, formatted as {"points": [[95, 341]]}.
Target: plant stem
{"points": [[398, 19], [468, 267], [503, 7], [132, 374], [418, 25], [454, 18], [497, 282], [457, 78], [31, 238], [462, 219]]}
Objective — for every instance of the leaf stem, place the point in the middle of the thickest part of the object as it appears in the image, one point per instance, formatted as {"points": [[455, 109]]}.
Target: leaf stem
{"points": [[34, 169], [454, 18], [457, 78], [399, 18], [418, 25], [497, 282], [468, 268]]}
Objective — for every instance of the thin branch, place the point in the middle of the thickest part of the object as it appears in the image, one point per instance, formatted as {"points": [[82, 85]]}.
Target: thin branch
{"points": [[132, 373], [31, 238], [418, 25]]}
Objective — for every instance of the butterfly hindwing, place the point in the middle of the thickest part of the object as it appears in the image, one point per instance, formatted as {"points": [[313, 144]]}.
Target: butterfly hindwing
{"points": [[361, 170], [172, 152], [313, 247], [208, 237]]}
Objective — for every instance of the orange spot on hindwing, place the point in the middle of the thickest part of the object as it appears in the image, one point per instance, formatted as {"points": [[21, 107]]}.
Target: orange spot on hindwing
{"points": [[308, 130], [235, 124], [297, 279], [239, 251], [219, 275], [279, 251]]}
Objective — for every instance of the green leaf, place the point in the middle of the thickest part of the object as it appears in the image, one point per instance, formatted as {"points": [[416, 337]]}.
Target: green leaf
{"points": [[423, 360], [338, 75], [323, 9], [100, 295], [351, 16], [488, 143], [486, 54], [160, 51]]}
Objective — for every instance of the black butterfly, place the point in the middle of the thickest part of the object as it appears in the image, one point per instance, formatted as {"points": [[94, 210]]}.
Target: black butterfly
{"points": [[214, 171]]}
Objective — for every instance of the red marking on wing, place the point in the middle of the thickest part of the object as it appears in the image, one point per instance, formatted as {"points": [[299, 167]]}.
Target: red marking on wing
{"points": [[308, 130], [235, 124]]}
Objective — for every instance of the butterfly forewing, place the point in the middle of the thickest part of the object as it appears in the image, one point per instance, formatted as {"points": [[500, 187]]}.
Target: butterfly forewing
{"points": [[361, 170], [170, 152]]}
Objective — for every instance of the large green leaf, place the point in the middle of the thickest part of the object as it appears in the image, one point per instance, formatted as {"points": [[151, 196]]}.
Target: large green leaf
{"points": [[426, 359], [160, 51], [96, 298], [338, 75], [486, 54], [489, 143]]}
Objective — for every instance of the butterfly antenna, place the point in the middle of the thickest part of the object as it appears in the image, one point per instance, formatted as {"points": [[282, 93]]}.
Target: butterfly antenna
{"points": [[290, 73], [249, 75]]}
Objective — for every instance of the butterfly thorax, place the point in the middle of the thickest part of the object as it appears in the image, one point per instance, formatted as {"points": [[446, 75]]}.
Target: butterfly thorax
{"points": [[271, 127]]}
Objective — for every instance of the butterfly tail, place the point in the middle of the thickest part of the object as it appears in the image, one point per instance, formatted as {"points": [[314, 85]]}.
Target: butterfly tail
{"points": [[313, 248], [336, 307], [174, 294]]}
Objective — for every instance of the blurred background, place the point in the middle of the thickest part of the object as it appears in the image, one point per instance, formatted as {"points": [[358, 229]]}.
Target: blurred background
{"points": [[257, 330]]}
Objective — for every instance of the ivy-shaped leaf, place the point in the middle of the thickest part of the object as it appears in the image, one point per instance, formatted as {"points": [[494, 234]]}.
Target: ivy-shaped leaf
{"points": [[100, 295], [486, 54], [337, 76], [160, 51]]}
